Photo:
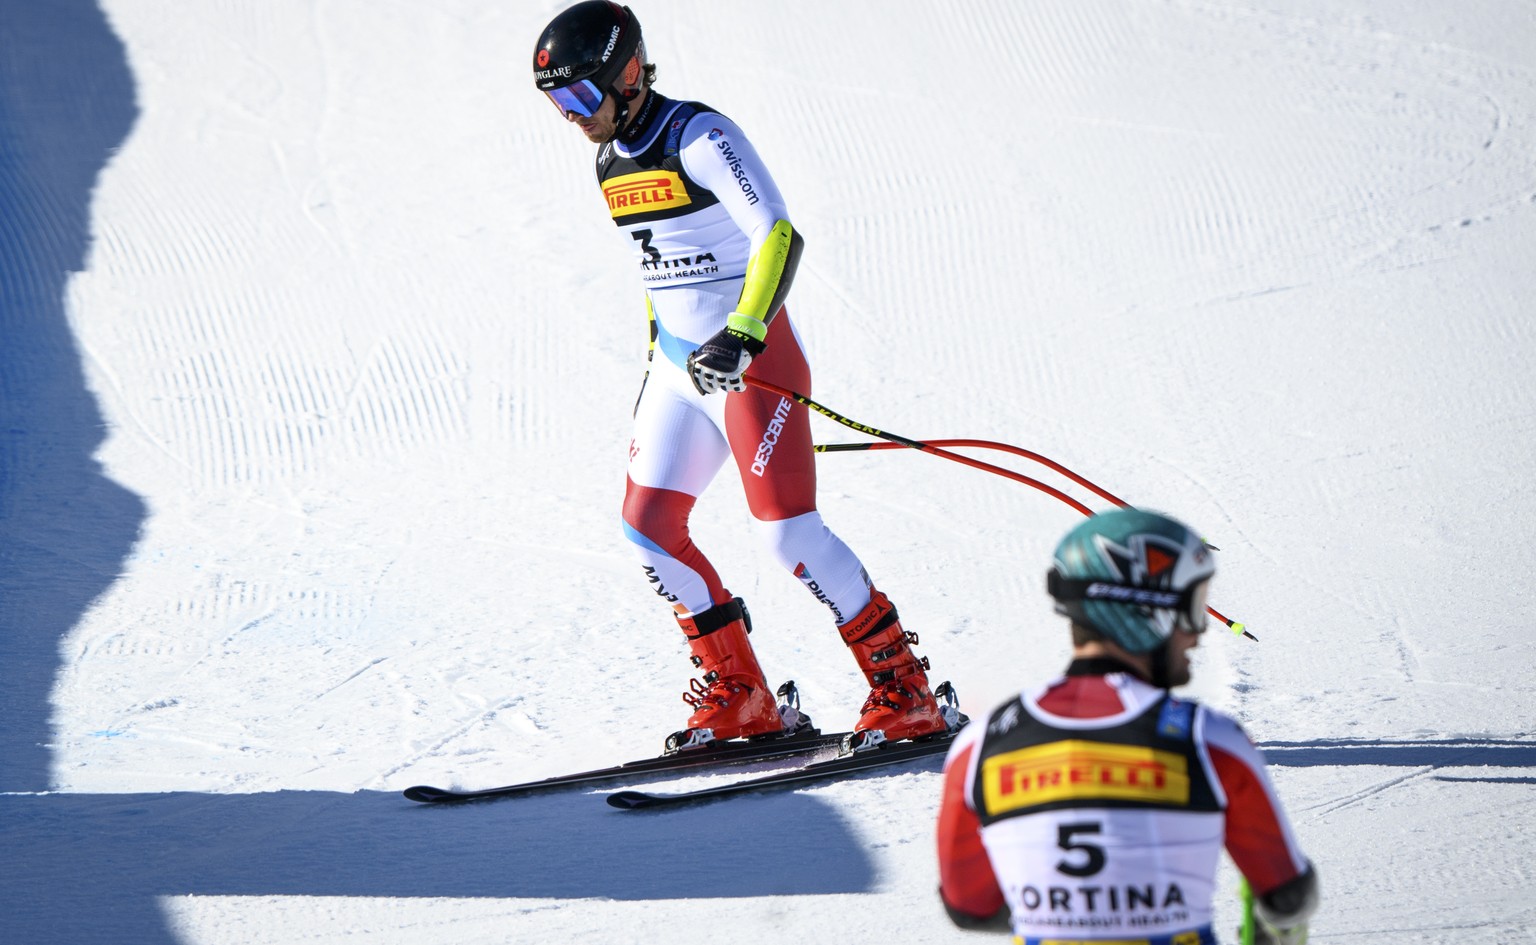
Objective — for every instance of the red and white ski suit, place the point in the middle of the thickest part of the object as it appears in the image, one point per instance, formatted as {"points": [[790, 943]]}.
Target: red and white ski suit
{"points": [[697, 205], [1095, 809]]}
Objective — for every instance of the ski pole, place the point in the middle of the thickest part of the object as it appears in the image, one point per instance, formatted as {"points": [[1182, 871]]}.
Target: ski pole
{"points": [[936, 450], [916, 445], [1247, 930], [982, 444]]}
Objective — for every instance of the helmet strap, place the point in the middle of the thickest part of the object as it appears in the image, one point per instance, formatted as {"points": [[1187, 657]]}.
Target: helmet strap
{"points": [[620, 113], [1158, 659]]}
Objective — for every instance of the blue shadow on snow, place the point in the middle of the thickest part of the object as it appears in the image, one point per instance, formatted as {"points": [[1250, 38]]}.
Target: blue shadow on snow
{"points": [[67, 102], [89, 869], [1430, 753]]}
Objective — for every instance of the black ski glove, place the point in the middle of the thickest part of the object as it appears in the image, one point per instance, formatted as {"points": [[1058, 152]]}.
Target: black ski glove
{"points": [[722, 360]]}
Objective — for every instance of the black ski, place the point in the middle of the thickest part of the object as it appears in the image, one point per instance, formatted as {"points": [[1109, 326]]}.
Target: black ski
{"points": [[726, 753], [880, 757]]}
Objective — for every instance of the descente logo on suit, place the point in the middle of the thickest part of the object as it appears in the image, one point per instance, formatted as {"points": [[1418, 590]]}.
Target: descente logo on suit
{"points": [[770, 438]]}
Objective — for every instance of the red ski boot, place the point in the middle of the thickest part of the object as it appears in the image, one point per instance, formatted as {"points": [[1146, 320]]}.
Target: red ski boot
{"points": [[733, 700], [900, 704]]}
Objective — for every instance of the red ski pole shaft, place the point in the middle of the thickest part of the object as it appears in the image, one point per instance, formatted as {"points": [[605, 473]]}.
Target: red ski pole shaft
{"points": [[1045, 461], [933, 447], [917, 445]]}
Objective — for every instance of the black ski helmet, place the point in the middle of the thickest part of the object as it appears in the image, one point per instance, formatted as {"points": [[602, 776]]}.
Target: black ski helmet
{"points": [[597, 41]]}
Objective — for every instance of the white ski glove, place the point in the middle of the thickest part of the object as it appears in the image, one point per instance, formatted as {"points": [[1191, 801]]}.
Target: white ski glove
{"points": [[1266, 934], [722, 360], [1280, 916]]}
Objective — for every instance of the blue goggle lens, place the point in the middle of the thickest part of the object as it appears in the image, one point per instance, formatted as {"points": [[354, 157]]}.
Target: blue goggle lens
{"points": [[584, 98]]}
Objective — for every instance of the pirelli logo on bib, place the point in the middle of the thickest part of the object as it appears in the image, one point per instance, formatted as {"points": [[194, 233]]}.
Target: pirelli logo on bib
{"points": [[645, 192], [1075, 770]]}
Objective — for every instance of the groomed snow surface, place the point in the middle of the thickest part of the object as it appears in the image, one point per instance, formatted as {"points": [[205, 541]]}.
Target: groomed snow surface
{"points": [[317, 352]]}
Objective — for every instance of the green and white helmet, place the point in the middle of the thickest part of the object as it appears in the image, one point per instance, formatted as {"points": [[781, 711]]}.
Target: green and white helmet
{"points": [[1132, 576]]}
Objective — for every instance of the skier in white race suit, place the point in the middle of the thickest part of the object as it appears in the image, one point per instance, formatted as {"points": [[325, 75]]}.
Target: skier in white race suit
{"points": [[717, 253], [1094, 808]]}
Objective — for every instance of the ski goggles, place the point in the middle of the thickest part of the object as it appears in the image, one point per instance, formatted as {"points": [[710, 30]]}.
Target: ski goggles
{"points": [[584, 98], [1189, 603]]}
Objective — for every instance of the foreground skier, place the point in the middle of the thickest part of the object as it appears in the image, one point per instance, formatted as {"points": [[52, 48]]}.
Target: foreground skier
{"points": [[717, 255], [1095, 808]]}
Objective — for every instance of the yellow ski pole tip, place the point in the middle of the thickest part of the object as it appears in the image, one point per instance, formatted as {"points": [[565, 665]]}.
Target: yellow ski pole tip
{"points": [[1238, 628]]}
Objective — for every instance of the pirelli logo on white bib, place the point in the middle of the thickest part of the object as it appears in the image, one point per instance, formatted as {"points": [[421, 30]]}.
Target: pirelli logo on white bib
{"points": [[1075, 770], [644, 192]]}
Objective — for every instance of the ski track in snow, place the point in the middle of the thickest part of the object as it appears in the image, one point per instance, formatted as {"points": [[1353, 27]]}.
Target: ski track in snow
{"points": [[332, 509]]}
